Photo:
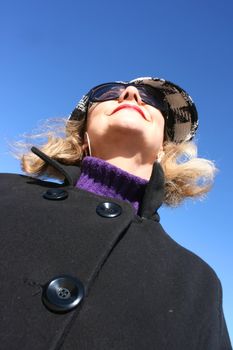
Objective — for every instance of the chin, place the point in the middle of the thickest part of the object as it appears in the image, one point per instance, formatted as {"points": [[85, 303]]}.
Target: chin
{"points": [[127, 124], [131, 131]]}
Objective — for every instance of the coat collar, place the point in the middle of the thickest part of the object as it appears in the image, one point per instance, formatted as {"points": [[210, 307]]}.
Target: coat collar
{"points": [[154, 193], [70, 172]]}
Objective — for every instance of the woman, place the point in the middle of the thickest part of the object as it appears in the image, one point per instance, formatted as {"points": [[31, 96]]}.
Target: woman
{"points": [[85, 263]]}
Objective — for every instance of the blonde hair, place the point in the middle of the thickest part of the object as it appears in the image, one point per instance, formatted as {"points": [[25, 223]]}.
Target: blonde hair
{"points": [[186, 175]]}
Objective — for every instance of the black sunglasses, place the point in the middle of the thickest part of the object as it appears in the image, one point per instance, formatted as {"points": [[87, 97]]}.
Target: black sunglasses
{"points": [[112, 91]]}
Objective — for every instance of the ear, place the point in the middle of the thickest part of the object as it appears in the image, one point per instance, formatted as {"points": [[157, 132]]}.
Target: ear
{"points": [[160, 154], [84, 150], [86, 146], [161, 148]]}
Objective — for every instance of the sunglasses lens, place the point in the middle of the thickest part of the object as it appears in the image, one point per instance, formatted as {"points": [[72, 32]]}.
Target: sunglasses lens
{"points": [[112, 91], [106, 92], [152, 97]]}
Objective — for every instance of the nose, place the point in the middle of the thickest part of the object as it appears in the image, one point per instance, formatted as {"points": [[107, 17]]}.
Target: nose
{"points": [[130, 93]]}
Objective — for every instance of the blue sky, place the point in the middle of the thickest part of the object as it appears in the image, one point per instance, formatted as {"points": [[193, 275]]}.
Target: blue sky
{"points": [[54, 51]]}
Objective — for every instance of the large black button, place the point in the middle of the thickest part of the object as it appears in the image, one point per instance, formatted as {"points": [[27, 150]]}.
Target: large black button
{"points": [[55, 194], [108, 209], [63, 293]]}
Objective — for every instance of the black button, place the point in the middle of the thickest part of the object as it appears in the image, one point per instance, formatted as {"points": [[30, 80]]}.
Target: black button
{"points": [[108, 209], [55, 194], [63, 293]]}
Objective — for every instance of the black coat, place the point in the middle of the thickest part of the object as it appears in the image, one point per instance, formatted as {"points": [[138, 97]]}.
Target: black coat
{"points": [[118, 280]]}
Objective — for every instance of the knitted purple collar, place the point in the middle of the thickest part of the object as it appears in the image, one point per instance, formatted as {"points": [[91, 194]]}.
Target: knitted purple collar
{"points": [[103, 178]]}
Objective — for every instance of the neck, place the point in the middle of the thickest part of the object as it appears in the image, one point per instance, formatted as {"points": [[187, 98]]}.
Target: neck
{"points": [[127, 158]]}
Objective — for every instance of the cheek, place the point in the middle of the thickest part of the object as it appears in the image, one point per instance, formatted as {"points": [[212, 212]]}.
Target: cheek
{"points": [[158, 121], [101, 108], [158, 128], [96, 121], [94, 114], [98, 114]]}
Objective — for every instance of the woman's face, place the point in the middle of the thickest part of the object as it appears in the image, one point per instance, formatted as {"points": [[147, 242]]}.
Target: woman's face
{"points": [[128, 122]]}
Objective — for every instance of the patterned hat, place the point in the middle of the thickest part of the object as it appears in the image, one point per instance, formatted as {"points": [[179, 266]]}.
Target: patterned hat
{"points": [[181, 119]]}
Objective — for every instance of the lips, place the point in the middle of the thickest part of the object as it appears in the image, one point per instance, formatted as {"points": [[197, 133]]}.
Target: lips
{"points": [[129, 106]]}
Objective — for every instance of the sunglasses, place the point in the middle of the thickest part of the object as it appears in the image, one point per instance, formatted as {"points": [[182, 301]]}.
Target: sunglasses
{"points": [[112, 91]]}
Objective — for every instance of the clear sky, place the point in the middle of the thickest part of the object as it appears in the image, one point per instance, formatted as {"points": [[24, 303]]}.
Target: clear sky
{"points": [[52, 52]]}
